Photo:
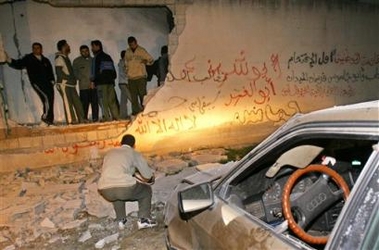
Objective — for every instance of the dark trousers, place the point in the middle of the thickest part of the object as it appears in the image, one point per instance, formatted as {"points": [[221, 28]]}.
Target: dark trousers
{"points": [[137, 88], [46, 94], [108, 101], [87, 97], [138, 192]]}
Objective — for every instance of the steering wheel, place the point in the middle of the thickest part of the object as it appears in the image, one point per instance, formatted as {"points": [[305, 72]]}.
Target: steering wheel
{"points": [[313, 201]]}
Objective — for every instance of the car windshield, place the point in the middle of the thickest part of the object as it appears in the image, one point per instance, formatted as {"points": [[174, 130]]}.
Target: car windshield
{"points": [[314, 199]]}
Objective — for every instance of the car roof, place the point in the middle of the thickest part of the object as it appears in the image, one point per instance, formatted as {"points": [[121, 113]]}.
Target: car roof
{"points": [[364, 111], [359, 113]]}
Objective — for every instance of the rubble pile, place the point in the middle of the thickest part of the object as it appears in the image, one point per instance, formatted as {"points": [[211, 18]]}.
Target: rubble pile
{"points": [[60, 205]]}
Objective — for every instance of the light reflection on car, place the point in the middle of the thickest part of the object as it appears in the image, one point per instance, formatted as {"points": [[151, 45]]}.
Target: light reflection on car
{"points": [[295, 190]]}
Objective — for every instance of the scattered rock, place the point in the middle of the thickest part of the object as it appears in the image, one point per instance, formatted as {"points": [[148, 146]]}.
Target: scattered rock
{"points": [[100, 244], [73, 224], [95, 204], [85, 236], [171, 166], [11, 247], [47, 223], [131, 207], [111, 238], [208, 158], [55, 239], [96, 227], [36, 205]]}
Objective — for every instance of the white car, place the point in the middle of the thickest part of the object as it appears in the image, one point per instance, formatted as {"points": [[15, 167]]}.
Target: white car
{"points": [[312, 184]]}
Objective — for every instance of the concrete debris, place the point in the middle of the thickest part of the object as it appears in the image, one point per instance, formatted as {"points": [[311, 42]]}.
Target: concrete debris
{"points": [[3, 239], [131, 207], [73, 224], [109, 239], [95, 204], [100, 244], [208, 158], [55, 239], [171, 166], [85, 236], [47, 223], [38, 204], [11, 247]]}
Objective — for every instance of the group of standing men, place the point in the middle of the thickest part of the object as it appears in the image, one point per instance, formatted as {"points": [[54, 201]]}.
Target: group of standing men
{"points": [[96, 77]]}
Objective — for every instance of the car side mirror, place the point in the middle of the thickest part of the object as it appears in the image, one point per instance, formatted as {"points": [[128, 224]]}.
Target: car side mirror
{"points": [[196, 198]]}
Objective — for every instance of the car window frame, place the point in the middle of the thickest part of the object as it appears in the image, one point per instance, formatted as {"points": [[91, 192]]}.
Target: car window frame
{"points": [[304, 132], [221, 189], [354, 203]]}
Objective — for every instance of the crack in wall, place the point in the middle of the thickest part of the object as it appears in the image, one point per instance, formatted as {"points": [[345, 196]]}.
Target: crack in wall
{"points": [[3, 102], [17, 44]]}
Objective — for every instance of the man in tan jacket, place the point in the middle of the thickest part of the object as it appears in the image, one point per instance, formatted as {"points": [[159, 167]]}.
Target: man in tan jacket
{"points": [[136, 59], [118, 183]]}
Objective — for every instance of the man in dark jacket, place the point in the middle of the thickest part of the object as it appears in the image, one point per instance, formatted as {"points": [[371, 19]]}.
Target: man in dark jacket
{"points": [[41, 77], [103, 76]]}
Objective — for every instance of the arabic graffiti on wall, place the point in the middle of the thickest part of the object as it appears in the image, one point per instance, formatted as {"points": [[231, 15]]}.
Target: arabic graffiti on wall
{"points": [[316, 91], [343, 57], [219, 73], [267, 113], [157, 125], [74, 149], [250, 93], [349, 68]]}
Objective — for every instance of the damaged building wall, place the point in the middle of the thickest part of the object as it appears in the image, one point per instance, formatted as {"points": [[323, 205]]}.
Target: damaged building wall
{"points": [[25, 22], [238, 69], [244, 67]]}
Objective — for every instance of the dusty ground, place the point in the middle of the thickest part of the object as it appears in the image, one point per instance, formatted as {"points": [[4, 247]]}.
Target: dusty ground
{"points": [[24, 230], [129, 238]]}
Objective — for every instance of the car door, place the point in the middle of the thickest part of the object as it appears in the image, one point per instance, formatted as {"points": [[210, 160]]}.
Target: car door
{"points": [[226, 226], [358, 225]]}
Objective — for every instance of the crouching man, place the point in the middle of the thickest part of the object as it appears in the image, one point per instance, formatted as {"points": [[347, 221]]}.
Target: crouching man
{"points": [[118, 182]]}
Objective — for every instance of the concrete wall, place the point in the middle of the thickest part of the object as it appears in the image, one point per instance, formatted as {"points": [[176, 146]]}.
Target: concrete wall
{"points": [[22, 23], [238, 69], [243, 67]]}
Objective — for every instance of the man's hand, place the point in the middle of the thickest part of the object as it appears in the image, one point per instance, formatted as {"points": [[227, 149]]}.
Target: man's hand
{"points": [[143, 180]]}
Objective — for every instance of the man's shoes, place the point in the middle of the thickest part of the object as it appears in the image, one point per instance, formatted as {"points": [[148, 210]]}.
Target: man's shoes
{"points": [[47, 122], [121, 223], [146, 223]]}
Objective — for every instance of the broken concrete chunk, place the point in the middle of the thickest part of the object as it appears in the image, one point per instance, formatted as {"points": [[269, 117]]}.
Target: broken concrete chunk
{"points": [[73, 204], [96, 227], [55, 239], [171, 166], [96, 205], [208, 158], [47, 223], [85, 236], [11, 247], [111, 238], [73, 224], [3, 239], [100, 244], [91, 179], [48, 189]]}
